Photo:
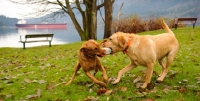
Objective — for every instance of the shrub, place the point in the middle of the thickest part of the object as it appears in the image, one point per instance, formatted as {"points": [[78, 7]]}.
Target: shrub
{"points": [[135, 24]]}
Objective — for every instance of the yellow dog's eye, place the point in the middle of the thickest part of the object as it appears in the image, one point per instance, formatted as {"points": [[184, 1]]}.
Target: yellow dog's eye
{"points": [[110, 39]]}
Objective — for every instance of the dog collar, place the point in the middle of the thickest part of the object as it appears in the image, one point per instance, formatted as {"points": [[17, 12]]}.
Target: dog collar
{"points": [[128, 44]]}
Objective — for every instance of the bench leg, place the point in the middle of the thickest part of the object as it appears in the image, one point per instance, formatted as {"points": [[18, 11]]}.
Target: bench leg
{"points": [[24, 45], [49, 43], [193, 26], [175, 26]]}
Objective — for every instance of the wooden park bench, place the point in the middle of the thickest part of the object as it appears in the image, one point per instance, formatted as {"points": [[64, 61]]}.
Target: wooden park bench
{"points": [[29, 38], [193, 21]]}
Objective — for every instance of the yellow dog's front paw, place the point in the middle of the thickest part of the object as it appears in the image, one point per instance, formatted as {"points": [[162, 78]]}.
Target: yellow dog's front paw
{"points": [[115, 82]]}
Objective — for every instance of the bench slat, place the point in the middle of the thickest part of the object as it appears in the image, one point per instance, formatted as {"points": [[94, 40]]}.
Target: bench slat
{"points": [[38, 35], [187, 19], [35, 41]]}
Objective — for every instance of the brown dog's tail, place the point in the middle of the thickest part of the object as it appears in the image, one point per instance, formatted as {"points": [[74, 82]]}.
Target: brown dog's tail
{"points": [[77, 67], [166, 28]]}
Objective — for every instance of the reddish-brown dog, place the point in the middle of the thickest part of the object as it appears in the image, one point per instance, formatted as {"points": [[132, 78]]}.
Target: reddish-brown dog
{"points": [[144, 51], [88, 59]]}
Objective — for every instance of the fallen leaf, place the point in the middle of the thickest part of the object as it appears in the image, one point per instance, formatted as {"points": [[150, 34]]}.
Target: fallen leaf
{"points": [[158, 96], [34, 81], [2, 96], [8, 82], [148, 100], [41, 81], [101, 91], [165, 91], [91, 98], [108, 92], [39, 92], [111, 79], [197, 78], [58, 99], [176, 87], [35, 96], [50, 86], [139, 95], [89, 85], [198, 93], [130, 98], [9, 96], [123, 89], [48, 65], [90, 90], [154, 91], [167, 87], [31, 97], [139, 78], [183, 89], [138, 85], [108, 98], [42, 67], [172, 74], [183, 82], [192, 86], [27, 80]]}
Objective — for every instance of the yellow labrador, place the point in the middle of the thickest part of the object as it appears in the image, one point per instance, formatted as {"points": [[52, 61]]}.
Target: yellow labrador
{"points": [[144, 51]]}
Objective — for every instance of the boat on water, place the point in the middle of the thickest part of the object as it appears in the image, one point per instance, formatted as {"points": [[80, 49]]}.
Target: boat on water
{"points": [[23, 24]]}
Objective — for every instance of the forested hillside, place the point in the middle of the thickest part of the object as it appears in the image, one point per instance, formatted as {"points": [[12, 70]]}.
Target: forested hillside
{"points": [[4, 21], [164, 8]]}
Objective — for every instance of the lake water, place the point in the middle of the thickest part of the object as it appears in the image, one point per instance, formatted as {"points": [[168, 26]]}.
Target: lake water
{"points": [[10, 37]]}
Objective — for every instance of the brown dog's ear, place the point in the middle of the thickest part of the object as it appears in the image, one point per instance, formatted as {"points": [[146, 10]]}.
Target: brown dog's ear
{"points": [[121, 40], [83, 50]]}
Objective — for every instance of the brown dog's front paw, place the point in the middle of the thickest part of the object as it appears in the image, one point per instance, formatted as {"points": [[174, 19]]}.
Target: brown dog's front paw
{"points": [[102, 84], [106, 81]]}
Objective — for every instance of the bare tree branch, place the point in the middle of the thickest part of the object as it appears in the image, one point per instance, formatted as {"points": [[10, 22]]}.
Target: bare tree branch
{"points": [[72, 16], [100, 5]]}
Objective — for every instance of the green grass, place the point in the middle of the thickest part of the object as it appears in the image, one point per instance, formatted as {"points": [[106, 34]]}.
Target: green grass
{"points": [[39, 73]]}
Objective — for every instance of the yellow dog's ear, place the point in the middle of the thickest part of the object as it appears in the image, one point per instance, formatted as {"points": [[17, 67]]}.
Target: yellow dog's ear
{"points": [[121, 40], [102, 43]]}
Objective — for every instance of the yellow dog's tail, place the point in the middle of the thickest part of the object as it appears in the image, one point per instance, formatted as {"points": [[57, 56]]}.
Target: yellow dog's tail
{"points": [[166, 28]]}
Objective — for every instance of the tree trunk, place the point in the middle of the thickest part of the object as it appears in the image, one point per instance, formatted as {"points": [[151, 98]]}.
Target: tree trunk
{"points": [[91, 27], [108, 18]]}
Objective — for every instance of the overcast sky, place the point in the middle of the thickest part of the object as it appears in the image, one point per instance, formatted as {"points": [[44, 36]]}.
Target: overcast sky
{"points": [[12, 10]]}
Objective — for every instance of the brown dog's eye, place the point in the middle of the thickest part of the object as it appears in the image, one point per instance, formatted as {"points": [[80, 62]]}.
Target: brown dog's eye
{"points": [[110, 39], [95, 48]]}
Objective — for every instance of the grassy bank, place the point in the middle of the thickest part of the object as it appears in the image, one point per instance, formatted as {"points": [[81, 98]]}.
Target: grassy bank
{"points": [[40, 73]]}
